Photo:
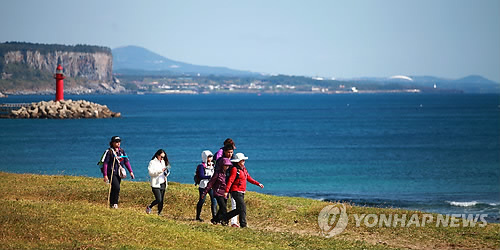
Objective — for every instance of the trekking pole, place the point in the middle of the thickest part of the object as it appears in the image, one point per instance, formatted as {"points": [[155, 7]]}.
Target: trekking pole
{"points": [[110, 181]]}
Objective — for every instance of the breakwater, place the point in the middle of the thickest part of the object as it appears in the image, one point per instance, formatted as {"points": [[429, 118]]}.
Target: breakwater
{"points": [[65, 109]]}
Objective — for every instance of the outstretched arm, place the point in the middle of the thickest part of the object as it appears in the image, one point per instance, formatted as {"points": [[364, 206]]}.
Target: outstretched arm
{"points": [[253, 181]]}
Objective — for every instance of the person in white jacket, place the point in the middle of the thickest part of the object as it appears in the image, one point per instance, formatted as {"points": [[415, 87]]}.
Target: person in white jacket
{"points": [[205, 171], [158, 169]]}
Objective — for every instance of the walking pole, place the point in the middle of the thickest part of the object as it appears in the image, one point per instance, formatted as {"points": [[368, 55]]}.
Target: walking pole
{"points": [[110, 181]]}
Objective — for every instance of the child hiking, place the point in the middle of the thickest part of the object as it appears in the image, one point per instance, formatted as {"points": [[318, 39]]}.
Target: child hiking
{"points": [[218, 154], [205, 171], [218, 184]]}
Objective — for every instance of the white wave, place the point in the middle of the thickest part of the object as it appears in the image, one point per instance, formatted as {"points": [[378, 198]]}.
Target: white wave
{"points": [[463, 203]]}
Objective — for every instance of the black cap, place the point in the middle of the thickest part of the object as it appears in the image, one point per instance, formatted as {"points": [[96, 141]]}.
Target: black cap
{"points": [[115, 139]]}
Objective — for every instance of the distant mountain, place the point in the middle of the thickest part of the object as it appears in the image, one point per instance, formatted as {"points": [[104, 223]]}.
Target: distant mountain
{"points": [[476, 84], [469, 84], [134, 60], [475, 79], [138, 60]]}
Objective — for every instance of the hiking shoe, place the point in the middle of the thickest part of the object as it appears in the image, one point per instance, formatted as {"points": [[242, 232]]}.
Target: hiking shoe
{"points": [[199, 219], [115, 206], [148, 210], [214, 222], [235, 225]]}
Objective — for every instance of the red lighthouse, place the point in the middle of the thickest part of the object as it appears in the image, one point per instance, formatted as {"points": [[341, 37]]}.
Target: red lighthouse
{"points": [[59, 76]]}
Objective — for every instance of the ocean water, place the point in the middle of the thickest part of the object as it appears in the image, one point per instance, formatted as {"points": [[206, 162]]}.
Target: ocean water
{"points": [[436, 153]]}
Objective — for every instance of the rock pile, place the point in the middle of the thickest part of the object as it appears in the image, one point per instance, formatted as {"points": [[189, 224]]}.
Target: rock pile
{"points": [[65, 109]]}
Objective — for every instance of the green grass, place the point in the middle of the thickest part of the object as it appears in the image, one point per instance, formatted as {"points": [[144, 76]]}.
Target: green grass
{"points": [[48, 212]]}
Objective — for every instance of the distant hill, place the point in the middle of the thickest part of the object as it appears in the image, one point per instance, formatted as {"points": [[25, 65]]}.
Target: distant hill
{"points": [[475, 83], [468, 84], [140, 61]]}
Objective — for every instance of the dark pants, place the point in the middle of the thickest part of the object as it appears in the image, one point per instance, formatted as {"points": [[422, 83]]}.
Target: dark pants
{"points": [[213, 201], [221, 213], [241, 208], [115, 190], [159, 194]]}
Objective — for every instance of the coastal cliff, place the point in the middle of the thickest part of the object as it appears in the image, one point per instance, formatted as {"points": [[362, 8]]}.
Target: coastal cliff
{"points": [[93, 66], [28, 67]]}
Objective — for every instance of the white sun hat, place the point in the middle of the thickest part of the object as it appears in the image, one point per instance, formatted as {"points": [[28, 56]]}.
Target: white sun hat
{"points": [[238, 157]]}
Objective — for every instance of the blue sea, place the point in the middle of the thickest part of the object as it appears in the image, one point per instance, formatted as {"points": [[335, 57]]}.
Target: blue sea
{"points": [[436, 153]]}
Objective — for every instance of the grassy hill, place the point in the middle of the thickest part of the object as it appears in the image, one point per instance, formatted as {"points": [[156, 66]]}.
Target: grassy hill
{"points": [[53, 212]]}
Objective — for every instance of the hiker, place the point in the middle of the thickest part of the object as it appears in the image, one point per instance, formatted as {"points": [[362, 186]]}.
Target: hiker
{"points": [[158, 169], [205, 171], [218, 184], [220, 152], [237, 185], [228, 141], [115, 157]]}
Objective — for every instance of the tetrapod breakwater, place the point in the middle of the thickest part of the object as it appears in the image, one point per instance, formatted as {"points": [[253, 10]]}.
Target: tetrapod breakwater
{"points": [[64, 109]]}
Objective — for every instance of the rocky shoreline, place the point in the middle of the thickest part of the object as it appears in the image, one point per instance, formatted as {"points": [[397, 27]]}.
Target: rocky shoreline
{"points": [[65, 109]]}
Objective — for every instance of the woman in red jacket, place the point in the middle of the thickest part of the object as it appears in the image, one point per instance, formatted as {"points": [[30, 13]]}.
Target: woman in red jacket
{"points": [[237, 185]]}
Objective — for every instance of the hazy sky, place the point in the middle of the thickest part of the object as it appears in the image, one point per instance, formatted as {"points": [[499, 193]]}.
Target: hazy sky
{"points": [[342, 39]]}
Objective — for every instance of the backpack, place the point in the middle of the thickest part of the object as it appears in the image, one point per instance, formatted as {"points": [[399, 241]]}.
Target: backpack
{"points": [[228, 174], [101, 161], [197, 178], [103, 157]]}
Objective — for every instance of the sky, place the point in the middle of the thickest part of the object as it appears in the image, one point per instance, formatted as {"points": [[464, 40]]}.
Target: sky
{"points": [[327, 38]]}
